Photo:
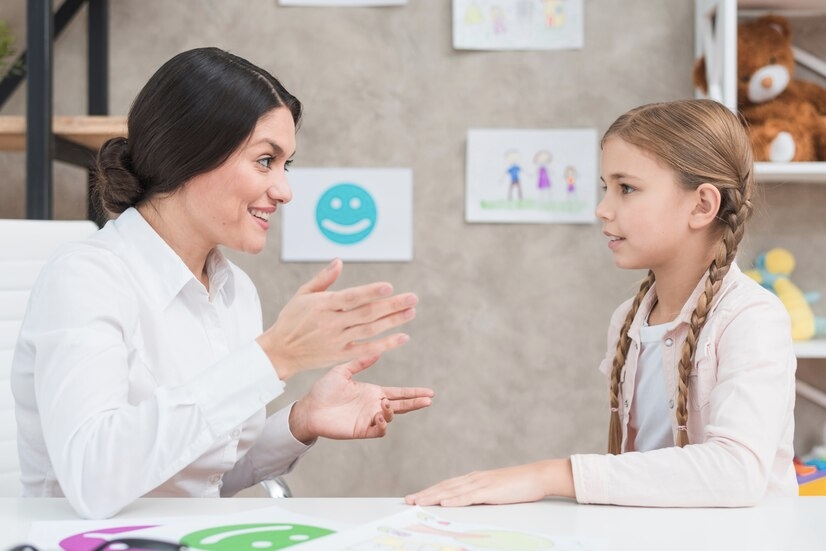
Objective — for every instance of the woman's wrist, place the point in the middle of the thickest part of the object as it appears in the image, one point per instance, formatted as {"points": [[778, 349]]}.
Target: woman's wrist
{"points": [[281, 367], [299, 426]]}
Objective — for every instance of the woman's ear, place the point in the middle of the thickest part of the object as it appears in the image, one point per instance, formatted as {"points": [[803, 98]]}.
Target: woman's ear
{"points": [[707, 206]]}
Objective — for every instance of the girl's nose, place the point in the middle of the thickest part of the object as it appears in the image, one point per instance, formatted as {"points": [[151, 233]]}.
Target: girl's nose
{"points": [[602, 211]]}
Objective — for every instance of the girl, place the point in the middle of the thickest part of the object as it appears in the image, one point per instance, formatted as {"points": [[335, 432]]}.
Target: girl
{"points": [[700, 361], [141, 368]]}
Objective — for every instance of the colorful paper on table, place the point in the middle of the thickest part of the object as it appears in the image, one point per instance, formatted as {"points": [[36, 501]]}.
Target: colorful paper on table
{"points": [[418, 529], [268, 528]]}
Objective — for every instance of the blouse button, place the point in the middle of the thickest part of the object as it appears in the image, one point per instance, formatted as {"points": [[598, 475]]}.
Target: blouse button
{"points": [[671, 404], [215, 479], [669, 342], [626, 403], [236, 433]]}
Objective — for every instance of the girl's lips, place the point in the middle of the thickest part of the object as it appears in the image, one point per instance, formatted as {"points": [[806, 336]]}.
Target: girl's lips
{"points": [[615, 242]]}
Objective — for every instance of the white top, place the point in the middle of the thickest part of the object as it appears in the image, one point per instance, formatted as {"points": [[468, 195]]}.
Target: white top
{"points": [[740, 407], [650, 415], [131, 380]]}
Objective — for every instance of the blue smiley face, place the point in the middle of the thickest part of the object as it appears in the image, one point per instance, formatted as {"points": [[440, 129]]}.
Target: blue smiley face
{"points": [[346, 214]]}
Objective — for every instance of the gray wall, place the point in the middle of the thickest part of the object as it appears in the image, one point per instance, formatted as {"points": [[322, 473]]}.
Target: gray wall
{"points": [[512, 318]]}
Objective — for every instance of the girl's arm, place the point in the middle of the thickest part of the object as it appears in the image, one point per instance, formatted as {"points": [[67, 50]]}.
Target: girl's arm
{"points": [[522, 483]]}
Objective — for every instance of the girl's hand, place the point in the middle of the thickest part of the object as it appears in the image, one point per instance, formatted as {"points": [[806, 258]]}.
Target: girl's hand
{"points": [[519, 484], [319, 328], [340, 408]]}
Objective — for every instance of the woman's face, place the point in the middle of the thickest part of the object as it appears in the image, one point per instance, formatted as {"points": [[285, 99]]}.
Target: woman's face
{"points": [[232, 204]]}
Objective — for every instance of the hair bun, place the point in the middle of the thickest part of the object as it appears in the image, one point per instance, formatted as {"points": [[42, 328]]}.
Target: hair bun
{"points": [[117, 186]]}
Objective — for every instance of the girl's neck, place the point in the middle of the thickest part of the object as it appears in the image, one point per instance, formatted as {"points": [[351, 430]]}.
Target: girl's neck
{"points": [[673, 290]]}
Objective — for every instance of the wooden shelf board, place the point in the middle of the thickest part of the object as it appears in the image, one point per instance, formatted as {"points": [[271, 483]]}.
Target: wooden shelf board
{"points": [[89, 131]]}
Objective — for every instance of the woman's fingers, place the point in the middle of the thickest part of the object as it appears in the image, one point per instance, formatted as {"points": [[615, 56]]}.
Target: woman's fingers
{"points": [[412, 404], [323, 279], [372, 348]]}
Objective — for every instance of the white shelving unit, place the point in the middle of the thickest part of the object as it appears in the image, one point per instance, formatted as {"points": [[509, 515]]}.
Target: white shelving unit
{"points": [[715, 30], [810, 349], [715, 38]]}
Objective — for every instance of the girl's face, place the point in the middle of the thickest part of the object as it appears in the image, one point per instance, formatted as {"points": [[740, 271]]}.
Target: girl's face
{"points": [[232, 204], [645, 213]]}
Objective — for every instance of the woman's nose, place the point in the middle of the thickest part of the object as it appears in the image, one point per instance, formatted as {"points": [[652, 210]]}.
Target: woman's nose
{"points": [[280, 191]]}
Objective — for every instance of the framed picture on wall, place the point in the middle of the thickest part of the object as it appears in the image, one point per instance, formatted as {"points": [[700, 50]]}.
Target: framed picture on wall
{"points": [[338, 3], [517, 24], [531, 176], [362, 214]]}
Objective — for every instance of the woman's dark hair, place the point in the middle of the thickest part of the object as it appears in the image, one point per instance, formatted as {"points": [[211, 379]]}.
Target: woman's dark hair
{"points": [[187, 120]]}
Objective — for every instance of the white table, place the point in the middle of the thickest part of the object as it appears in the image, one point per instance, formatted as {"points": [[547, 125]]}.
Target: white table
{"points": [[797, 524]]}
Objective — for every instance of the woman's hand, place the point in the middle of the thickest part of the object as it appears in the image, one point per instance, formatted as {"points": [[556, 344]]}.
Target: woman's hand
{"points": [[340, 408], [519, 484], [319, 328]]}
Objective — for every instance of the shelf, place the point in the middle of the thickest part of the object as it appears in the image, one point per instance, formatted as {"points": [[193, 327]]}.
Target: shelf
{"points": [[88, 131], [810, 349], [795, 173]]}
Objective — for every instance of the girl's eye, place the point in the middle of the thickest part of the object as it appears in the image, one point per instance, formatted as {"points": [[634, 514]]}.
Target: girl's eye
{"points": [[287, 165], [265, 161], [626, 189]]}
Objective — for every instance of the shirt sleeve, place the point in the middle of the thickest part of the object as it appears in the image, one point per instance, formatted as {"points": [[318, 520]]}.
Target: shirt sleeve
{"points": [[275, 452], [106, 451], [751, 404]]}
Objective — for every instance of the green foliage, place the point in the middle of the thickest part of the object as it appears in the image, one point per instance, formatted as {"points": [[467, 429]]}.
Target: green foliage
{"points": [[7, 51]]}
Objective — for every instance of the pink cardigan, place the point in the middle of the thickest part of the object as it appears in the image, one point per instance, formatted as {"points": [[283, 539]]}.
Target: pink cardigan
{"points": [[740, 411]]}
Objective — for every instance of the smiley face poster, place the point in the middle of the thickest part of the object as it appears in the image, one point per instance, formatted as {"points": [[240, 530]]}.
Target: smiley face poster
{"points": [[361, 214]]}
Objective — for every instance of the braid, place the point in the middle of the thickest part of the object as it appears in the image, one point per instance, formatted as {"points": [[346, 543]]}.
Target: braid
{"points": [[704, 143], [733, 228], [614, 426]]}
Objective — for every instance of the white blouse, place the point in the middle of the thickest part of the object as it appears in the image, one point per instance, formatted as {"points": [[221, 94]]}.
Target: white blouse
{"points": [[130, 379]]}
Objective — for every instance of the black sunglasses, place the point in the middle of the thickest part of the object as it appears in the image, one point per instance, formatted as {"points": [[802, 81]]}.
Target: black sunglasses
{"points": [[124, 545]]}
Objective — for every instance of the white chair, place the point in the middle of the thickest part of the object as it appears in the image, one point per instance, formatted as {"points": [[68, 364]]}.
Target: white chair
{"points": [[25, 245]]}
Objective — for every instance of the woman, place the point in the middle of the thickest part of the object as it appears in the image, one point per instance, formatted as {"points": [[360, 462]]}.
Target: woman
{"points": [[141, 367]]}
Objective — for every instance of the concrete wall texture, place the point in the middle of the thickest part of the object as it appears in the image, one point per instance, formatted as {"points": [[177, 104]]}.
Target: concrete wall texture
{"points": [[512, 317]]}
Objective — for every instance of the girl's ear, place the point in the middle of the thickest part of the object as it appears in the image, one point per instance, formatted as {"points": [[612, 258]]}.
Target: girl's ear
{"points": [[706, 207]]}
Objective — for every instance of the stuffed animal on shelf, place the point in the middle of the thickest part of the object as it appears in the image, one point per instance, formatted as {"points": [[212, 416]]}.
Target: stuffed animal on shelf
{"points": [[772, 270], [786, 117]]}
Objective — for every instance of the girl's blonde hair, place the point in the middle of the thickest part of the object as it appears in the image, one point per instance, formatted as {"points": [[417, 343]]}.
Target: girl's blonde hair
{"points": [[702, 142]]}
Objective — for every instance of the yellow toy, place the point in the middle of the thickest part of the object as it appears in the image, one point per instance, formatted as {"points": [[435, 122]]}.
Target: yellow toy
{"points": [[772, 270]]}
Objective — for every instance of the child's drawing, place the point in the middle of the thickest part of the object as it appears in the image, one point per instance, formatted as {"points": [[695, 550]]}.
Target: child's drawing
{"points": [[556, 182], [513, 171], [417, 530], [542, 160], [517, 24], [341, 3]]}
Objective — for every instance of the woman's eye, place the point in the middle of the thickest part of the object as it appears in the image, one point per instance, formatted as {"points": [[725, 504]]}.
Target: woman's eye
{"points": [[287, 165], [626, 189], [265, 161]]}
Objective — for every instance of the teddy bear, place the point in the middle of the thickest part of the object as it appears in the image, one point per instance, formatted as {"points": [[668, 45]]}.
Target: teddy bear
{"points": [[773, 270], [786, 117]]}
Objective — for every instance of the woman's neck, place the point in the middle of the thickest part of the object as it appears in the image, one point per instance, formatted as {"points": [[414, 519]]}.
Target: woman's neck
{"points": [[175, 231]]}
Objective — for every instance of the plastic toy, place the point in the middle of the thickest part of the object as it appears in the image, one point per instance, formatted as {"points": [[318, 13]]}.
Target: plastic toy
{"points": [[772, 270]]}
